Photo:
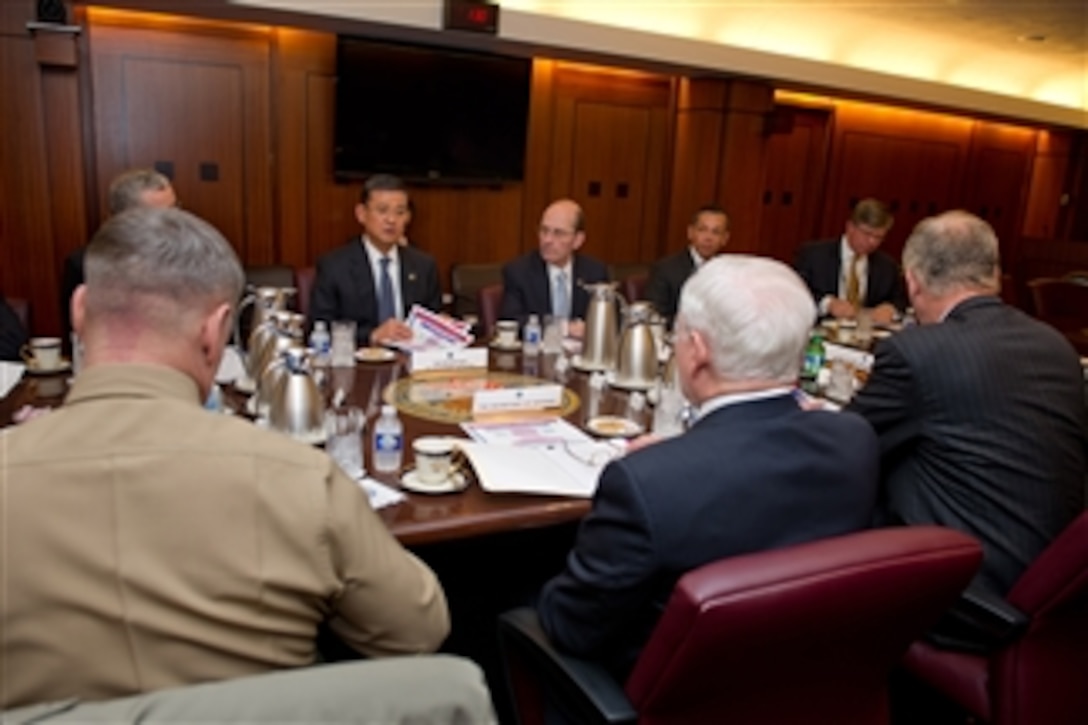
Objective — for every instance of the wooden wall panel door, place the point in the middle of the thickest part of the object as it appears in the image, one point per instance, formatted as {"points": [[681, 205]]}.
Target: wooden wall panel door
{"points": [[43, 190], [793, 185], [609, 151], [191, 98]]}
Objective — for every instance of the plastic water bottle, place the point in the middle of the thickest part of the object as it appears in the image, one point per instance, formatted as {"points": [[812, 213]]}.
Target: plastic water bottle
{"points": [[321, 343], [814, 357], [388, 441], [530, 338]]}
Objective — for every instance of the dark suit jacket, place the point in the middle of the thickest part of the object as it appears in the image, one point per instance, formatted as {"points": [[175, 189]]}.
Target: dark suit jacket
{"points": [[748, 477], [526, 288], [819, 264], [982, 427], [344, 287], [666, 278], [12, 333]]}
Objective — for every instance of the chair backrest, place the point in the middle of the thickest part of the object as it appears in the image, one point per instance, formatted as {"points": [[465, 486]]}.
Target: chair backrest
{"points": [[804, 634], [1042, 676], [634, 287], [21, 308], [270, 275], [1061, 303], [488, 301], [466, 280], [304, 283]]}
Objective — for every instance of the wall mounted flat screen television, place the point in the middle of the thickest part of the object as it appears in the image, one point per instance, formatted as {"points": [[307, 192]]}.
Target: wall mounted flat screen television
{"points": [[429, 114]]}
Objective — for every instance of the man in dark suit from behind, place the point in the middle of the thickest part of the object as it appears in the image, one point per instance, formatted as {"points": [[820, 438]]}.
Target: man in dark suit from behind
{"points": [[12, 332], [850, 273], [708, 233], [131, 189], [374, 279], [548, 280], [754, 472], [979, 409]]}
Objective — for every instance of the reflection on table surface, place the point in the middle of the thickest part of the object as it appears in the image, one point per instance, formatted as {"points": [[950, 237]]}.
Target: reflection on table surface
{"points": [[423, 518]]}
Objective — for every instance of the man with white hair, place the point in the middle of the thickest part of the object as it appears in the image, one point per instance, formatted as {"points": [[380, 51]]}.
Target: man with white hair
{"points": [[979, 409], [754, 472], [148, 543]]}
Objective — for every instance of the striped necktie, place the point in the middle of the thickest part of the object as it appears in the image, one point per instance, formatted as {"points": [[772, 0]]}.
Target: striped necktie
{"points": [[853, 283]]}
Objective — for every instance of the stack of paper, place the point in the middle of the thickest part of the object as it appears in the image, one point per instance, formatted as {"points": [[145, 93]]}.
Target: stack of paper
{"points": [[544, 457], [431, 330]]}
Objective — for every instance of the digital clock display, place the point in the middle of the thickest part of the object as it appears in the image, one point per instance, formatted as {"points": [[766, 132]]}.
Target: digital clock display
{"points": [[472, 15]]}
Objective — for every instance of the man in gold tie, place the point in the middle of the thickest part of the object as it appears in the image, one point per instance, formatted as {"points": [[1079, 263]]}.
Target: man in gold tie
{"points": [[850, 274]]}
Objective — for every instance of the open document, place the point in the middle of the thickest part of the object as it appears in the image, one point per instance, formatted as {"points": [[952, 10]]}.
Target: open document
{"points": [[544, 457]]}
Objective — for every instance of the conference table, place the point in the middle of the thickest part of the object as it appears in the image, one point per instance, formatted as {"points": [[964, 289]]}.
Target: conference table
{"points": [[422, 518]]}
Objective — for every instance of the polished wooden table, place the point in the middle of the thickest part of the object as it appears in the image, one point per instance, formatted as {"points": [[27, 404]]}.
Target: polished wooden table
{"points": [[422, 518]]}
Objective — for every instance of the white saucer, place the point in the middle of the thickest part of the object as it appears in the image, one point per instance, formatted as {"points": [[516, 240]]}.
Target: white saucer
{"points": [[453, 484], [613, 381], [496, 345], [578, 363], [611, 426], [375, 355], [32, 368]]}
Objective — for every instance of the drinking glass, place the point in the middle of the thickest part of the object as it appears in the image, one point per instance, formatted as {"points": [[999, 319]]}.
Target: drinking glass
{"points": [[344, 427], [342, 352]]}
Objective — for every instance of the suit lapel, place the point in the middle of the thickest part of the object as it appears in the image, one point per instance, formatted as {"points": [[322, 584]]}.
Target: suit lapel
{"points": [[364, 288]]}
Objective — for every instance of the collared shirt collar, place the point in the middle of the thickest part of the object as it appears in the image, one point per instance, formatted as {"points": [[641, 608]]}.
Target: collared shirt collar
{"points": [[696, 258], [722, 401], [135, 380]]}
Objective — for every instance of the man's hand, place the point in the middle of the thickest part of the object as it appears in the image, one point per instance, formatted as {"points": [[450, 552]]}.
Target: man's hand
{"points": [[840, 309], [884, 314], [576, 329], [392, 330]]}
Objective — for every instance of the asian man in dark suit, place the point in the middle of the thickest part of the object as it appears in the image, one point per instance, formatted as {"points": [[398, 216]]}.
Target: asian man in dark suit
{"points": [[754, 472], [548, 281], [979, 408], [374, 279], [850, 273], [708, 233]]}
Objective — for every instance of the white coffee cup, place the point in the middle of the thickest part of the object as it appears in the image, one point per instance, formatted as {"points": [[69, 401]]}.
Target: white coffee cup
{"points": [[43, 352], [434, 458], [506, 334]]}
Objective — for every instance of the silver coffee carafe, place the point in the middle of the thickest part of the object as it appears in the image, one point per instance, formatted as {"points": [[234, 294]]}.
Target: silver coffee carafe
{"points": [[298, 406], [637, 362], [602, 327]]}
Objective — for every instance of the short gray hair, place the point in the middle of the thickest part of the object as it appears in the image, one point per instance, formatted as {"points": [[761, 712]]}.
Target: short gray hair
{"points": [[166, 254], [955, 250], [755, 313], [126, 191]]}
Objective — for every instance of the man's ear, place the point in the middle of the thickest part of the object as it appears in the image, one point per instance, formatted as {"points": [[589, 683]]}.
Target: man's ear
{"points": [[579, 240], [360, 213], [912, 283], [78, 308], [215, 330]]}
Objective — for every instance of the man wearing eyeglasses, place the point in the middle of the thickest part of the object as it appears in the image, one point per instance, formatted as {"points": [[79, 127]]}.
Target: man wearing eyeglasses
{"points": [[375, 279], [548, 281], [754, 472], [849, 274]]}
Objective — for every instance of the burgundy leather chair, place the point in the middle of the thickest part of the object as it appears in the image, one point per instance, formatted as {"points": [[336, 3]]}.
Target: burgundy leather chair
{"points": [[488, 302], [804, 634], [304, 284], [1041, 674], [634, 287]]}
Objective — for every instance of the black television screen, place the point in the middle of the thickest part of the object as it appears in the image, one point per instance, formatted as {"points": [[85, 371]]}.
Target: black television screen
{"points": [[430, 114]]}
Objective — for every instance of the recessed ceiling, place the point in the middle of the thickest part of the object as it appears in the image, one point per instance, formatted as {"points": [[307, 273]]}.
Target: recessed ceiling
{"points": [[1026, 60]]}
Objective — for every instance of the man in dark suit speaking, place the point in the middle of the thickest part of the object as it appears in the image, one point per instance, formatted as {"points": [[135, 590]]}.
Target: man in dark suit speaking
{"points": [[849, 274], [980, 409], [754, 472], [708, 233], [547, 281], [374, 280]]}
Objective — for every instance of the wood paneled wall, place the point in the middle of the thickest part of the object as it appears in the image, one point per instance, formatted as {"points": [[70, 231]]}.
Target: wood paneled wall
{"points": [[243, 116]]}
